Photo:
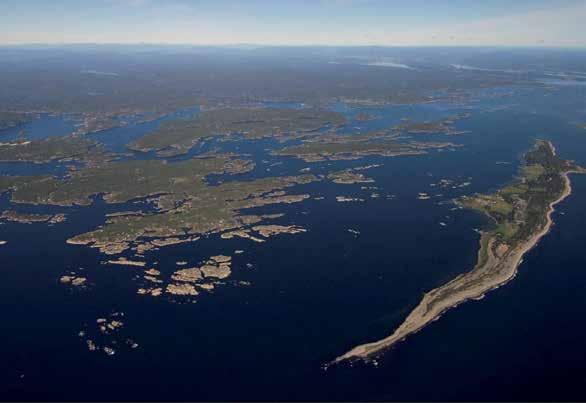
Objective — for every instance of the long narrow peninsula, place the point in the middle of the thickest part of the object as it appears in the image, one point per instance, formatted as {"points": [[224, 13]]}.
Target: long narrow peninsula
{"points": [[521, 215]]}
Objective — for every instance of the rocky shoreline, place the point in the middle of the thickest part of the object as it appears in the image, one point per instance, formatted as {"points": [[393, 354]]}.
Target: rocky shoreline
{"points": [[496, 269]]}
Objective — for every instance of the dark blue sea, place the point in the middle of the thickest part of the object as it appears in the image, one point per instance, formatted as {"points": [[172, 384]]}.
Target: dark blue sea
{"points": [[313, 296]]}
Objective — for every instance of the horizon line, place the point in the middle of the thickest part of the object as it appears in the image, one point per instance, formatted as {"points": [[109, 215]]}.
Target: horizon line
{"points": [[269, 45]]}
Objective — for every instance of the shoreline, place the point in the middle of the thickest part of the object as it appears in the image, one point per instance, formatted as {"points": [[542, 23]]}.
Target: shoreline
{"points": [[507, 269]]}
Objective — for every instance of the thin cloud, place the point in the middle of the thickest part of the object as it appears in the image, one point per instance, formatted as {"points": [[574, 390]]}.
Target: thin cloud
{"points": [[131, 3]]}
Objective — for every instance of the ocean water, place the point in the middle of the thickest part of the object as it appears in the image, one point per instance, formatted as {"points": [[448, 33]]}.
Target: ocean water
{"points": [[116, 139], [315, 295]]}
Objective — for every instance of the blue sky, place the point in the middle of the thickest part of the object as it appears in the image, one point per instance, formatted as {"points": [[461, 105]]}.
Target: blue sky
{"points": [[296, 22]]}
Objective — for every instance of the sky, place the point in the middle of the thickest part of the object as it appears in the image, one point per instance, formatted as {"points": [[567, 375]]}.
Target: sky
{"points": [[296, 22]]}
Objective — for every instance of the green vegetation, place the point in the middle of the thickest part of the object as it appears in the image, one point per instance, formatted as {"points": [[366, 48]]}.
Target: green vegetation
{"points": [[445, 126], [210, 209], [348, 176], [52, 149], [483, 251], [123, 181], [354, 146], [178, 136], [185, 204], [10, 182], [423, 127], [13, 119], [132, 81], [532, 172], [517, 209], [28, 218]]}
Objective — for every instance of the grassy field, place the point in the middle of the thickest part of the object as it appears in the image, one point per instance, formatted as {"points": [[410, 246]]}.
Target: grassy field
{"points": [[517, 209]]}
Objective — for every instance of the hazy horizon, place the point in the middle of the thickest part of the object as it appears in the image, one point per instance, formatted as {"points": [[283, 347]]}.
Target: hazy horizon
{"points": [[252, 45], [494, 23]]}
